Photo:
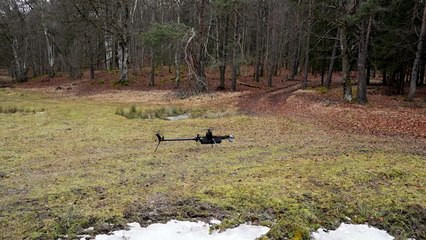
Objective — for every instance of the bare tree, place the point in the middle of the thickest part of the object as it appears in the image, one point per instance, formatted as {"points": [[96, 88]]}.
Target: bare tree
{"points": [[332, 61], [363, 42], [416, 64]]}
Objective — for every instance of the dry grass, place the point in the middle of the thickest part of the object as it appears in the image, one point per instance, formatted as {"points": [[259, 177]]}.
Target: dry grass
{"points": [[80, 165]]}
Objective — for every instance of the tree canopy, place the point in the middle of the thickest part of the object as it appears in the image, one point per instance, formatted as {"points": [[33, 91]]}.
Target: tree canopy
{"points": [[40, 36]]}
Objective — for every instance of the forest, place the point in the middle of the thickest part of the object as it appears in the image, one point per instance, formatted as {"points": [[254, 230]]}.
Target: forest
{"points": [[369, 37], [324, 104]]}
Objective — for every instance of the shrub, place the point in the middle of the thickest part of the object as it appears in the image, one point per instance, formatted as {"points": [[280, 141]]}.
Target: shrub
{"points": [[171, 111], [160, 113], [14, 109]]}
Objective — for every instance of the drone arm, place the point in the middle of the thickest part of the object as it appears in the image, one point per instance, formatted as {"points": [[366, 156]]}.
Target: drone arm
{"points": [[179, 139], [162, 139]]}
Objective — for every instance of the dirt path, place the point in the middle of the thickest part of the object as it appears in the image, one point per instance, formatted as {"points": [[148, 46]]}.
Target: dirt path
{"points": [[268, 101], [384, 115]]}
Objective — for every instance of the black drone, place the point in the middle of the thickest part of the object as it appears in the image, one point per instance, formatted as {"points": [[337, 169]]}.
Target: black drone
{"points": [[209, 138]]}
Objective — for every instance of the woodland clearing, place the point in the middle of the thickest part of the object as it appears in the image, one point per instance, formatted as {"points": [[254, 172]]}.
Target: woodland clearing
{"points": [[301, 160]]}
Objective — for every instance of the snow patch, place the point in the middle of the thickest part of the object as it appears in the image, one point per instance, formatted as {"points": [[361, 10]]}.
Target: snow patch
{"points": [[178, 117], [185, 230], [352, 232]]}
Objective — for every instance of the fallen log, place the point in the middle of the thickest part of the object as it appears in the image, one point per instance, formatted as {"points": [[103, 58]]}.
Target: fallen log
{"points": [[248, 85]]}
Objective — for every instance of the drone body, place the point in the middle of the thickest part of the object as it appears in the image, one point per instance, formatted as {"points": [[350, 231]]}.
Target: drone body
{"points": [[209, 138]]}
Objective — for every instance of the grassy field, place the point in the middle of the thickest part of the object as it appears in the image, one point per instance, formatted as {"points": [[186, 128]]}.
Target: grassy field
{"points": [[67, 164]]}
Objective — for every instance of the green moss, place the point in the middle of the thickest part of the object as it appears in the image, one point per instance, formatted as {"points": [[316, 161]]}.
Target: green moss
{"points": [[322, 89], [79, 165]]}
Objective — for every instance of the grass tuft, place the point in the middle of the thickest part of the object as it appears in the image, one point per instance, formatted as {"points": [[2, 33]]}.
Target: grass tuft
{"points": [[322, 89], [14, 109], [163, 112]]}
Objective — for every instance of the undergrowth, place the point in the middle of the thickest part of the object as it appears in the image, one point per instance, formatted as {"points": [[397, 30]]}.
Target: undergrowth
{"points": [[14, 109], [163, 112], [322, 89]]}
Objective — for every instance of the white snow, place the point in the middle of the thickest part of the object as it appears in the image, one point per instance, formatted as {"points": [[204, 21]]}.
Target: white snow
{"points": [[352, 232], [185, 230], [178, 117]]}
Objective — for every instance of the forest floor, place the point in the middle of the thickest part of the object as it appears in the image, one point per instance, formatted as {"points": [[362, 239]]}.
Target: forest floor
{"points": [[302, 159]]}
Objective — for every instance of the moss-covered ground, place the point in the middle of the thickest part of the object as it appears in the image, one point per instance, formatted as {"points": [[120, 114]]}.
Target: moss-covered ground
{"points": [[77, 164]]}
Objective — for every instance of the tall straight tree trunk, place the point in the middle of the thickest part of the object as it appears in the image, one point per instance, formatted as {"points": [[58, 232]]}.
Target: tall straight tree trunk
{"points": [[152, 74], [123, 42], [258, 53], [273, 46], [306, 70], [347, 84], [202, 38], [20, 70], [368, 73], [92, 61], [332, 61], [50, 53], [308, 38], [422, 73], [177, 68], [416, 64], [109, 59], [295, 63], [385, 76], [364, 36], [235, 65], [222, 53], [177, 52]]}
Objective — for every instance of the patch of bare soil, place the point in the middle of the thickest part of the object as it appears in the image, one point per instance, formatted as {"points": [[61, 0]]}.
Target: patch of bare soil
{"points": [[161, 209]]}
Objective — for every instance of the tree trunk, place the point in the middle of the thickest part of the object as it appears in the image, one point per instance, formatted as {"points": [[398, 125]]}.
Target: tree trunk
{"points": [[306, 70], [177, 66], [332, 61], [177, 54], [273, 44], [123, 55], [384, 79], [195, 52], [308, 38], [50, 53], [152, 74], [222, 53], [108, 52], [235, 64], [123, 44], [295, 63], [416, 64], [258, 53], [364, 36], [368, 73], [201, 83], [347, 84], [422, 73], [20, 70]]}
